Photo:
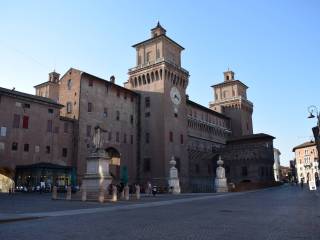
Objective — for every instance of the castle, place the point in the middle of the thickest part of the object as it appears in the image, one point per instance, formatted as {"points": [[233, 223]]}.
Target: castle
{"points": [[147, 122]]}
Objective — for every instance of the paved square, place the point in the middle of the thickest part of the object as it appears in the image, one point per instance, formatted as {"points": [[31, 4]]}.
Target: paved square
{"points": [[278, 213]]}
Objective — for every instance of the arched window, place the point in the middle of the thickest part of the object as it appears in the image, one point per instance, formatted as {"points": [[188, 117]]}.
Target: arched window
{"points": [[139, 79], [144, 79], [152, 76], [161, 74], [157, 76], [148, 78]]}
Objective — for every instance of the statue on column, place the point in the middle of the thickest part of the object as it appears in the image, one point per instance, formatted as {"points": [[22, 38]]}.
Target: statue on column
{"points": [[220, 181]]}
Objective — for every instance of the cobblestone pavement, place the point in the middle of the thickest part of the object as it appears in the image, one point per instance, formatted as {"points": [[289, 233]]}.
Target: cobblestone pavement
{"points": [[278, 213]]}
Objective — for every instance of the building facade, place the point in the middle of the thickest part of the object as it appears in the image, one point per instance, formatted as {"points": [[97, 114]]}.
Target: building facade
{"points": [[307, 162], [151, 120]]}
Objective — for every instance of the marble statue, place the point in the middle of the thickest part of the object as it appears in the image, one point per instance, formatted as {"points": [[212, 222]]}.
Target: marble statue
{"points": [[98, 139]]}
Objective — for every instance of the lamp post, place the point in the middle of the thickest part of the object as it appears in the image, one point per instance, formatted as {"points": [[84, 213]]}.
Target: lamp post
{"points": [[316, 130]]}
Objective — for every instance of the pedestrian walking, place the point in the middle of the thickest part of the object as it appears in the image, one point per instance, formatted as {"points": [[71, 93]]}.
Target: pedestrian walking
{"points": [[154, 191]]}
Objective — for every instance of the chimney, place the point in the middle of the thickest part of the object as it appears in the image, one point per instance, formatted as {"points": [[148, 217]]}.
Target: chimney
{"points": [[112, 79]]}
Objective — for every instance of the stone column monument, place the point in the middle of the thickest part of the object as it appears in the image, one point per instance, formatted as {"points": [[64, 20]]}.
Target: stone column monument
{"points": [[174, 184], [220, 181], [97, 178]]}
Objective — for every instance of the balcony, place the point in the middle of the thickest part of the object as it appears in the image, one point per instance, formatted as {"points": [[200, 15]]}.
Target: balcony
{"points": [[230, 100], [159, 60]]}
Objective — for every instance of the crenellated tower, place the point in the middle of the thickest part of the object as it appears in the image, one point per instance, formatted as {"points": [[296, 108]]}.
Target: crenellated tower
{"points": [[230, 98], [161, 82]]}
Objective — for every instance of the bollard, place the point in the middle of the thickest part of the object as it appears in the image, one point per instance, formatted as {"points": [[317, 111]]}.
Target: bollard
{"points": [[137, 192], [54, 193], [126, 192], [101, 195], [83, 194], [122, 194], [68, 193], [114, 194]]}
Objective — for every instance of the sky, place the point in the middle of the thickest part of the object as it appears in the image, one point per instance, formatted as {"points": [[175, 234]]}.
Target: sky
{"points": [[272, 46]]}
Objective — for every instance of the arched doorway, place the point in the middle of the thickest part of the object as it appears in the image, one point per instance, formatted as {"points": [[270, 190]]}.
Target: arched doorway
{"points": [[114, 167], [6, 182]]}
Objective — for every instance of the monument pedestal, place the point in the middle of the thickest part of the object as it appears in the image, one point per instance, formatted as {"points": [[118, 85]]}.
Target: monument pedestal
{"points": [[220, 182], [97, 178], [173, 181]]}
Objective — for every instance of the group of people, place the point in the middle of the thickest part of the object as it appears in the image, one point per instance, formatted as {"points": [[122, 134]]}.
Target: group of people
{"points": [[149, 190]]}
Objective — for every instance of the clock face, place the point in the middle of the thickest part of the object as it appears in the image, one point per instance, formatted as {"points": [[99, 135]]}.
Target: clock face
{"points": [[175, 95]]}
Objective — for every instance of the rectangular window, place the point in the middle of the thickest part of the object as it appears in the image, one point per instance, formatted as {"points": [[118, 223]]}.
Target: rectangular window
{"points": [[69, 107], [171, 136], [26, 105], [244, 171], [1, 146], [90, 107], [147, 137], [37, 149], [26, 147], [16, 121], [110, 136], [118, 116], [3, 131], [49, 126], [14, 146], [131, 119], [50, 110], [181, 138], [69, 84], [147, 114], [90, 82], [88, 131], [147, 102], [105, 112], [148, 55], [48, 149], [64, 152], [18, 104], [131, 139], [125, 138], [146, 165], [197, 168], [65, 127], [25, 122], [117, 137]]}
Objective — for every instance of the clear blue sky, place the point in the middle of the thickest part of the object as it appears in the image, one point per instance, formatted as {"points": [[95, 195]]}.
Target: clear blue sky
{"points": [[273, 46]]}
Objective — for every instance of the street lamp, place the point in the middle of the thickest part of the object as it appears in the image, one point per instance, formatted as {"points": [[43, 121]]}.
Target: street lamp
{"points": [[313, 109], [316, 130]]}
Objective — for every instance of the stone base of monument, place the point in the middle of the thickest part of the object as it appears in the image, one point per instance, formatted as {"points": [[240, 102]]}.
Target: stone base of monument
{"points": [[96, 187], [97, 179], [174, 186], [173, 181], [221, 185]]}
